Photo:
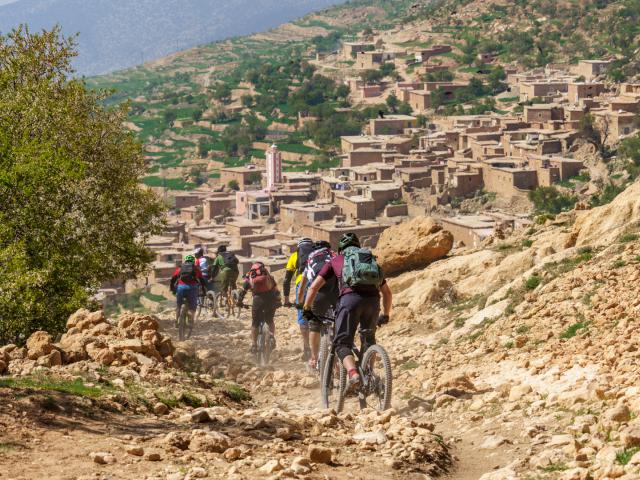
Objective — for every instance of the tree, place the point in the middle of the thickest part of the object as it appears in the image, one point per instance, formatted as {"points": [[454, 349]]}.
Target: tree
{"points": [[196, 115], [393, 102], [72, 213], [246, 100], [550, 200], [170, 116], [234, 185], [371, 76], [222, 92]]}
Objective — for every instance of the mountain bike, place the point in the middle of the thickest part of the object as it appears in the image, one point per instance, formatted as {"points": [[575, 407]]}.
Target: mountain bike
{"points": [[206, 304], [326, 338], [185, 323], [226, 304], [265, 342], [376, 378]]}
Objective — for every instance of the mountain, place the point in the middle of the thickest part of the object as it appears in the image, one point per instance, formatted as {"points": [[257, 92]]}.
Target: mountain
{"points": [[115, 34]]}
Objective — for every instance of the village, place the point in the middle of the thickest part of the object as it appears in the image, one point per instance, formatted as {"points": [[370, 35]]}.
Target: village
{"points": [[402, 165]]}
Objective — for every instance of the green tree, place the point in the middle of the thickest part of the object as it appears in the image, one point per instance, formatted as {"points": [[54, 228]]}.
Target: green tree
{"points": [[170, 116], [72, 213], [550, 200], [234, 185], [196, 115], [393, 102]]}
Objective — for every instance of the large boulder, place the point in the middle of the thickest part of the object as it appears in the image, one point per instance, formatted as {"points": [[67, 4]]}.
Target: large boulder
{"points": [[39, 344], [412, 245]]}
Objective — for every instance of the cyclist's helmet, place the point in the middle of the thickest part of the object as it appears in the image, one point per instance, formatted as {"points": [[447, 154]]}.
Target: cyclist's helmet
{"points": [[189, 259], [322, 244], [198, 252], [222, 249], [348, 240], [304, 241]]}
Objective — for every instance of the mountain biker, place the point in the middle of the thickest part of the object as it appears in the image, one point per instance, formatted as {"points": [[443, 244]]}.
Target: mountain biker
{"points": [[327, 297], [295, 267], [185, 282], [266, 299], [206, 266], [225, 269], [361, 284]]}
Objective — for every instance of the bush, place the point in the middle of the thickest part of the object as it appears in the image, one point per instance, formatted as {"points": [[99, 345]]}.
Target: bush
{"points": [[550, 200], [72, 213], [532, 282]]}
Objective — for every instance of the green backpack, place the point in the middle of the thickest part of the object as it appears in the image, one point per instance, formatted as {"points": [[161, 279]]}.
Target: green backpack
{"points": [[360, 268]]}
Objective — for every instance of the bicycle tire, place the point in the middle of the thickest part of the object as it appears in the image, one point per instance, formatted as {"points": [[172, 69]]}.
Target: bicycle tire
{"points": [[182, 322], [342, 389], [325, 346], [220, 306], [383, 393], [266, 347], [210, 303], [327, 387]]}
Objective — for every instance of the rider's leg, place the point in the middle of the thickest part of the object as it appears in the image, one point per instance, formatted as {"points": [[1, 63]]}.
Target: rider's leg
{"points": [[192, 299], [347, 320], [179, 301], [256, 314], [304, 331], [368, 321], [315, 328]]}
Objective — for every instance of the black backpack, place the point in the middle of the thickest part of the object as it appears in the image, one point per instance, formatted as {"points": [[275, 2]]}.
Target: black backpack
{"points": [[303, 255], [230, 260], [188, 272]]}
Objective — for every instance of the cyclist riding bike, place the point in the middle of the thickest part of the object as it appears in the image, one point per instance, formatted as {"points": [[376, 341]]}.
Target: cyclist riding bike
{"points": [[266, 300], [295, 268], [326, 299], [205, 264], [185, 282], [225, 270], [361, 283]]}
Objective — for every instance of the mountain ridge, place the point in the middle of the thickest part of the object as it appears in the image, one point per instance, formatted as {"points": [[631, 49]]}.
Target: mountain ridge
{"points": [[118, 34]]}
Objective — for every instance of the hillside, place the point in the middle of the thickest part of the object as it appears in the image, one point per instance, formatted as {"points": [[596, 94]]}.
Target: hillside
{"points": [[187, 108], [118, 34]]}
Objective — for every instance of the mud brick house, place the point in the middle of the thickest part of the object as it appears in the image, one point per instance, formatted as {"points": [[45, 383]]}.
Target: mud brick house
{"points": [[217, 204], [590, 69], [297, 214], [392, 124], [368, 231], [580, 90], [247, 178]]}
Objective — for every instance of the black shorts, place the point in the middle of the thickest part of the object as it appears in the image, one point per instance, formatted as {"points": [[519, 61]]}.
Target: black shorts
{"points": [[355, 311], [263, 309], [320, 308]]}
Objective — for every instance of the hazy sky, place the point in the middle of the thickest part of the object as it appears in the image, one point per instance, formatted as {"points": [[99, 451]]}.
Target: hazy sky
{"points": [[4, 2]]}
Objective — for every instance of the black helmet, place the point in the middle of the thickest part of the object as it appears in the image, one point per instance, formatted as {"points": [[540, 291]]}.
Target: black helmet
{"points": [[222, 249], [321, 244], [198, 252], [348, 240], [304, 241]]}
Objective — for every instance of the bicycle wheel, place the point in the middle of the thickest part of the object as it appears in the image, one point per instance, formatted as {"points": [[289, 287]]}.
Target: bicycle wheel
{"points": [[266, 346], [332, 381], [325, 346], [235, 297], [182, 322], [210, 303], [378, 376], [221, 305], [200, 308]]}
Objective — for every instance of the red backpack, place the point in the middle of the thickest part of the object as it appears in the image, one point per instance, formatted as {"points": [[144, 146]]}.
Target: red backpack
{"points": [[260, 279]]}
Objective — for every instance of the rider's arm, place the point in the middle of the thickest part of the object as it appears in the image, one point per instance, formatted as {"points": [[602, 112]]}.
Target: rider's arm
{"points": [[315, 287], [386, 298], [288, 275], [301, 288]]}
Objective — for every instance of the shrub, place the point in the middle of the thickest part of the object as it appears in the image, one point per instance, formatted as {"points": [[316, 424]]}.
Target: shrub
{"points": [[532, 282], [572, 331], [550, 200], [72, 213]]}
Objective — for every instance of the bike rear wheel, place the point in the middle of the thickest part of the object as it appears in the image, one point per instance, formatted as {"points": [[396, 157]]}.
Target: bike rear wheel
{"points": [[266, 345], [325, 347], [182, 322], [333, 382], [376, 367]]}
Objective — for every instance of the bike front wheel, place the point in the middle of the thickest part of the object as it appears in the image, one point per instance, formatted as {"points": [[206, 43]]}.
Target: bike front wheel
{"points": [[378, 377], [333, 382], [182, 322]]}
